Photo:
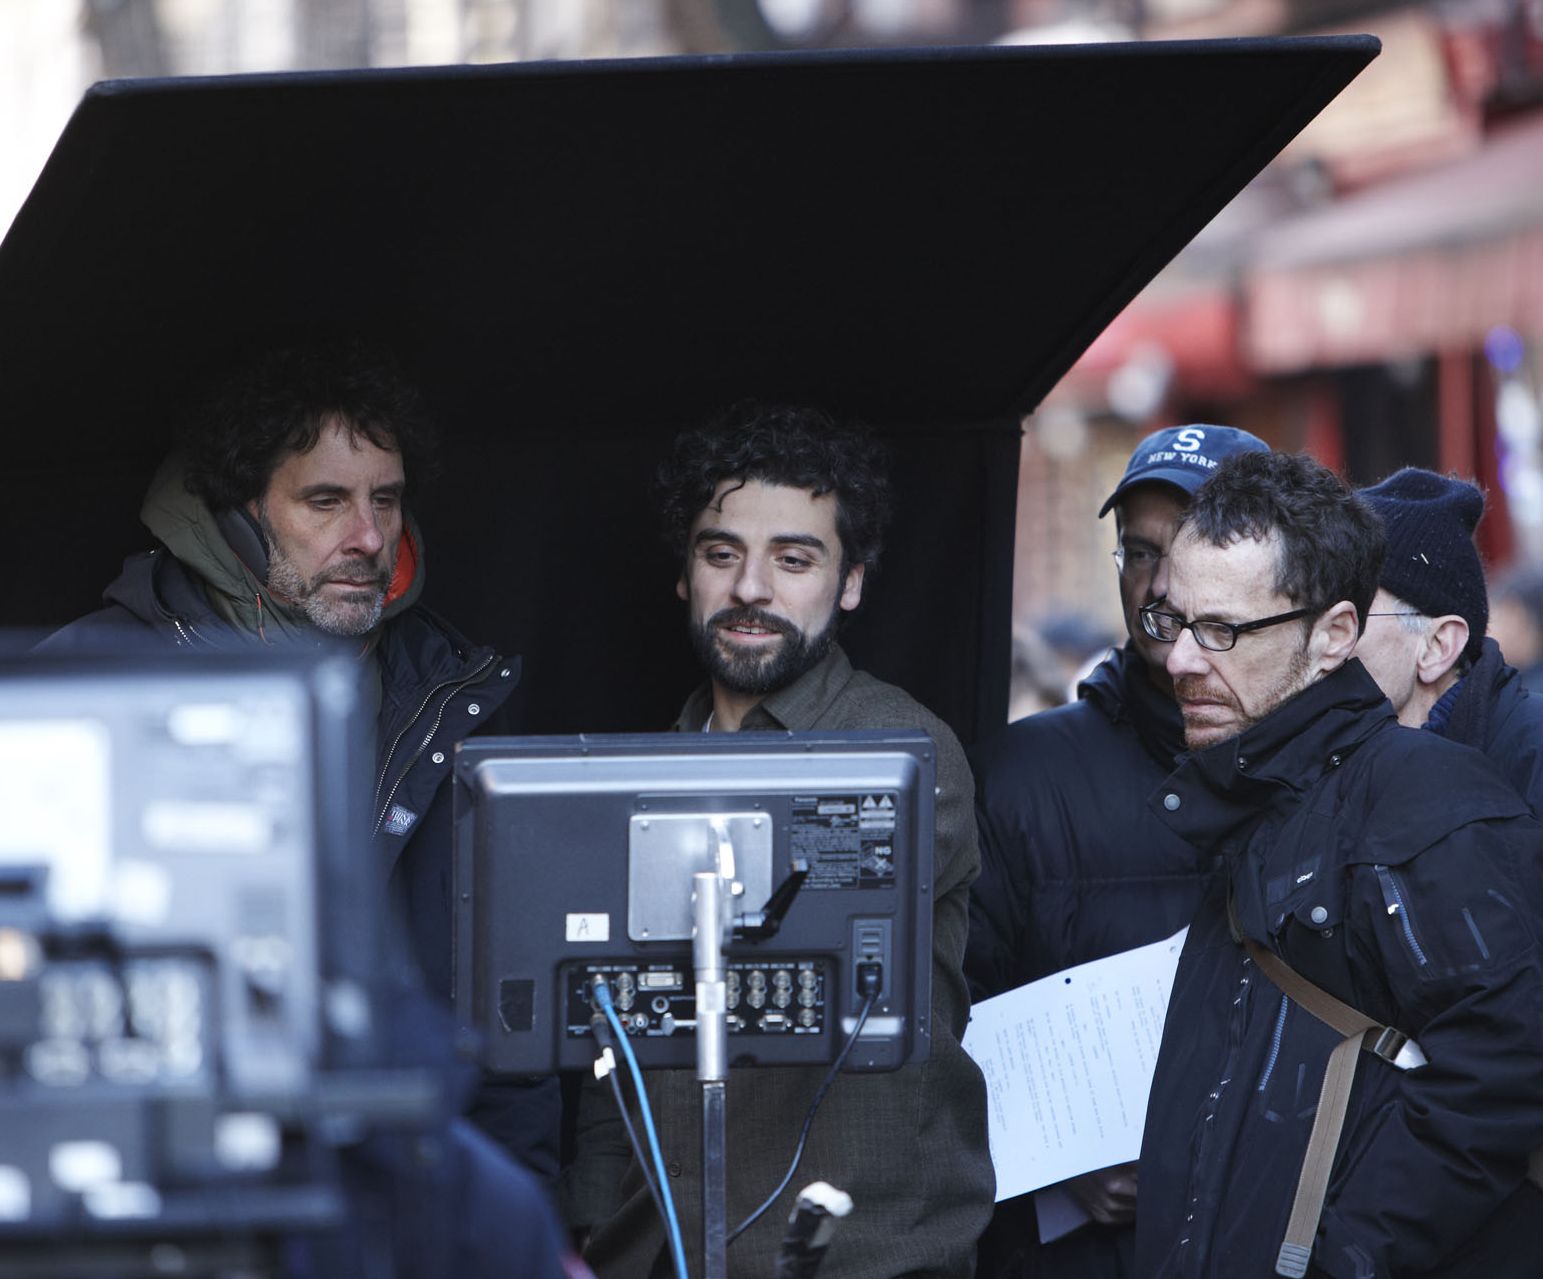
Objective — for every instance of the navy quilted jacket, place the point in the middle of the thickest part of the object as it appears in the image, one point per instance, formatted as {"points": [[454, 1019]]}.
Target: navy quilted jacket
{"points": [[1074, 864]]}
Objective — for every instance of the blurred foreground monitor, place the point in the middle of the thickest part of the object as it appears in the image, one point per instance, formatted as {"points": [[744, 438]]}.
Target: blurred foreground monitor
{"points": [[190, 1022]]}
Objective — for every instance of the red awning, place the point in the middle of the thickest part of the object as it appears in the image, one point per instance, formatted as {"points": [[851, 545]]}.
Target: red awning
{"points": [[1426, 263], [1195, 332]]}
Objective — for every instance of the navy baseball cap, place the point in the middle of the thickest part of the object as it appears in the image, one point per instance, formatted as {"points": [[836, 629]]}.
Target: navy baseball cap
{"points": [[1183, 456]]}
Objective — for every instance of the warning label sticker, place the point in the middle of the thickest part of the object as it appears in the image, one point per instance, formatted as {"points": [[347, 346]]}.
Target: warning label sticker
{"points": [[848, 840]]}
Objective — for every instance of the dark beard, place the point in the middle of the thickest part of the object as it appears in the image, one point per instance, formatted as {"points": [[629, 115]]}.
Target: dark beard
{"points": [[354, 614], [1291, 682], [757, 674]]}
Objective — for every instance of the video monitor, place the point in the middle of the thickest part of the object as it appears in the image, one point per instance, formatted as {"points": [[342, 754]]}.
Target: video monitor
{"points": [[188, 948], [574, 858]]}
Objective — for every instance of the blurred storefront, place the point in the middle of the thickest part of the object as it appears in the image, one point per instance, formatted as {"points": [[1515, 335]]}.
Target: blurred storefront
{"points": [[1375, 298]]}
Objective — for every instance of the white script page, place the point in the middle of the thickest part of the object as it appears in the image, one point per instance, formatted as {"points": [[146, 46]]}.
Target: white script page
{"points": [[1068, 1062]]}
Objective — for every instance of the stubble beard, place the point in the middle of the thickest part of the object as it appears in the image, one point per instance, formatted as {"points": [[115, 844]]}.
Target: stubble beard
{"points": [[355, 613], [1292, 681], [756, 674]]}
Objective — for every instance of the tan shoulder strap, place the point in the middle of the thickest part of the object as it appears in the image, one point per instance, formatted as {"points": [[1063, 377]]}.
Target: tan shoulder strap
{"points": [[1393, 1046], [1327, 1009], [1360, 1032]]}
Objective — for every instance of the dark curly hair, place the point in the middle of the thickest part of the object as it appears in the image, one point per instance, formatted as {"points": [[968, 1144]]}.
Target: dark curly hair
{"points": [[791, 445], [276, 402], [1331, 542]]}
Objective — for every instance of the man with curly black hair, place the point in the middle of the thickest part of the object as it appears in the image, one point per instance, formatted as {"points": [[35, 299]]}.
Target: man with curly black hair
{"points": [[778, 514], [281, 518], [784, 468], [264, 452]]}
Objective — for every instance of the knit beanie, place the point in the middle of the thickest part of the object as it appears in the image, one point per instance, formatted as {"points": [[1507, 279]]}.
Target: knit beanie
{"points": [[1431, 561]]}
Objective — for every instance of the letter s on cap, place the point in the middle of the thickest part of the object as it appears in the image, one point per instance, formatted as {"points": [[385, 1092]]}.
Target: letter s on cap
{"points": [[1189, 439]]}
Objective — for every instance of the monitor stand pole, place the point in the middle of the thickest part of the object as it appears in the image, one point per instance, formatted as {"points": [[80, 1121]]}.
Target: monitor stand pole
{"points": [[711, 923]]}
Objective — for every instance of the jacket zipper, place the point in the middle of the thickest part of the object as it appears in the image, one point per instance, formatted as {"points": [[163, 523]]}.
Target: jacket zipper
{"points": [[454, 686], [185, 632], [1393, 898], [1275, 1039], [1192, 1253]]}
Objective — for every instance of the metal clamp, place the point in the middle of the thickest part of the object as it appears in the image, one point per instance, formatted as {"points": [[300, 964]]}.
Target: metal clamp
{"points": [[1397, 1049]]}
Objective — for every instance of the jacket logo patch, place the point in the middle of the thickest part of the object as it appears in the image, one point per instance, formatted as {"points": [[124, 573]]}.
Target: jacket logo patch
{"points": [[399, 820]]}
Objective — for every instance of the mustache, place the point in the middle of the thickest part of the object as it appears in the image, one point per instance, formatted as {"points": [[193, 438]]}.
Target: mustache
{"points": [[361, 573], [748, 616], [1193, 688]]}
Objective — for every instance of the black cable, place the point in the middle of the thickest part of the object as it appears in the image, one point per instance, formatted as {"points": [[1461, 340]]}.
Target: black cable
{"points": [[602, 1032], [803, 1134]]}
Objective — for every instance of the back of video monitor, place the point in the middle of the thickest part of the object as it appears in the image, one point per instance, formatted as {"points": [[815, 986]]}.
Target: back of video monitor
{"points": [[577, 858]]}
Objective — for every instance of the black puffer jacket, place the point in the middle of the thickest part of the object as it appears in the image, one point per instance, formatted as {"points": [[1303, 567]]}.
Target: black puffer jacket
{"points": [[1398, 872], [1074, 867], [436, 689], [1074, 864]]}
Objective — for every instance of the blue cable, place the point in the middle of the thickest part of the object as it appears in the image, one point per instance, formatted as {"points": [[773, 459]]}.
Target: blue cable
{"points": [[672, 1223]]}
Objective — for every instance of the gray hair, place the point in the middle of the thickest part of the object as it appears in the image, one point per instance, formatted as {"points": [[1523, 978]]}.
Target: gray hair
{"points": [[1409, 617]]}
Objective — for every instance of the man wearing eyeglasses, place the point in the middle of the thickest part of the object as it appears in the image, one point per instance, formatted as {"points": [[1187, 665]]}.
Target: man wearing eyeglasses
{"points": [[1425, 643], [1391, 869], [1074, 865]]}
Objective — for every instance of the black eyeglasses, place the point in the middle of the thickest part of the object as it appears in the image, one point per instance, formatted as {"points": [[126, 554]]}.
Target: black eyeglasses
{"points": [[1217, 637]]}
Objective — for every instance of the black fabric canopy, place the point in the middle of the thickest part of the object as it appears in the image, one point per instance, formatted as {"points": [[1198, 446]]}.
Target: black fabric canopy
{"points": [[577, 259]]}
